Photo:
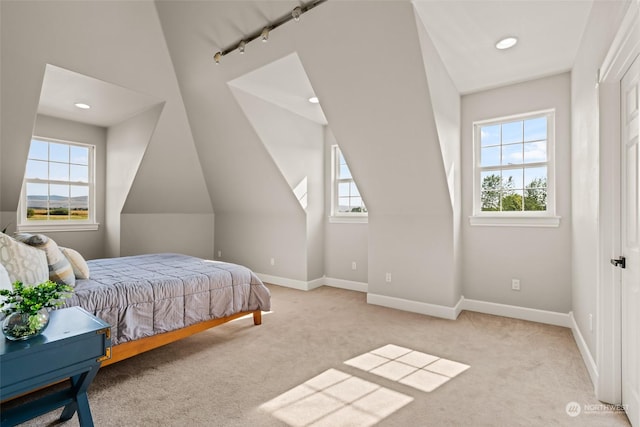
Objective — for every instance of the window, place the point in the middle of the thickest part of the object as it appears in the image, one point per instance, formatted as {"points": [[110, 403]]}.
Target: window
{"points": [[513, 171], [346, 199], [58, 188]]}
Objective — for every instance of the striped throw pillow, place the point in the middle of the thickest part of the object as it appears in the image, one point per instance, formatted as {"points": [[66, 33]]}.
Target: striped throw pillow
{"points": [[60, 270]]}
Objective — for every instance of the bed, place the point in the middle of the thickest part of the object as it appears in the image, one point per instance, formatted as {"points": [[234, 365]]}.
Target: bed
{"points": [[149, 300], [152, 300]]}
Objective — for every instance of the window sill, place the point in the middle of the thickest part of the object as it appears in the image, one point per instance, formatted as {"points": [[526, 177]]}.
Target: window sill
{"points": [[348, 219], [48, 228], [515, 221]]}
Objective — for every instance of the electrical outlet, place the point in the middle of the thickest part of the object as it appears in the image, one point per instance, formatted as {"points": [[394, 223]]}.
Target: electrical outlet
{"points": [[273, 261], [590, 322], [515, 284], [388, 278], [354, 266], [219, 254]]}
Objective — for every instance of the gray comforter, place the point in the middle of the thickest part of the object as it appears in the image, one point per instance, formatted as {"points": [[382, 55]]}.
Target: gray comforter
{"points": [[145, 295]]}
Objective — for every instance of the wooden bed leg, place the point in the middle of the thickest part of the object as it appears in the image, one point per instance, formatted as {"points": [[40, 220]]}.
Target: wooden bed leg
{"points": [[257, 317]]}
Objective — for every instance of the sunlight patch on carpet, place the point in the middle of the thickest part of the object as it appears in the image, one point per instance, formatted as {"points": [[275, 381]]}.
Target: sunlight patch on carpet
{"points": [[419, 370], [335, 399]]}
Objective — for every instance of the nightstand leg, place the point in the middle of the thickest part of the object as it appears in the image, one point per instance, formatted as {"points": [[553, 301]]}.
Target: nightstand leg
{"points": [[80, 384], [84, 412]]}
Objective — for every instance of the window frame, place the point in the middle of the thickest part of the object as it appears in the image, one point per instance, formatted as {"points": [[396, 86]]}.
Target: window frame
{"points": [[90, 224], [336, 216], [547, 218]]}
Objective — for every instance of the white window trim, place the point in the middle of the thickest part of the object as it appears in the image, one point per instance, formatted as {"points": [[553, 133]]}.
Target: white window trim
{"points": [[49, 226], [349, 219], [341, 217], [547, 218]]}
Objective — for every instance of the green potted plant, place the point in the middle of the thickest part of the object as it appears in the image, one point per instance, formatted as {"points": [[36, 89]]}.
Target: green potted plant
{"points": [[27, 307]]}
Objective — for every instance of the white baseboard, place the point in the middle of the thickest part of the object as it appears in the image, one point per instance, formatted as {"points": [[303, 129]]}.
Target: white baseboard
{"points": [[316, 283], [523, 313], [416, 306], [516, 312], [589, 362], [346, 284], [445, 312], [313, 284], [283, 281]]}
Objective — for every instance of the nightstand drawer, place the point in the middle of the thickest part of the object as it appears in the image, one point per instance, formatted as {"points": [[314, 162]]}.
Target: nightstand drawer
{"points": [[52, 361]]}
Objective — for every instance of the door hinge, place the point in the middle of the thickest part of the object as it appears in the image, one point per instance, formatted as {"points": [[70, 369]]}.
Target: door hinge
{"points": [[619, 262]]}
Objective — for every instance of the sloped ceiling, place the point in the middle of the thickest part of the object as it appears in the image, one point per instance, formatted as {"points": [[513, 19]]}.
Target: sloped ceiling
{"points": [[110, 104], [285, 84], [370, 108], [465, 33], [118, 42]]}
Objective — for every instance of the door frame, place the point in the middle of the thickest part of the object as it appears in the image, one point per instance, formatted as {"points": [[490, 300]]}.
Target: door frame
{"points": [[623, 50]]}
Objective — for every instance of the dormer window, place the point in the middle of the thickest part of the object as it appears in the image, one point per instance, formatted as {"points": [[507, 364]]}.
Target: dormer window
{"points": [[346, 199], [58, 188]]}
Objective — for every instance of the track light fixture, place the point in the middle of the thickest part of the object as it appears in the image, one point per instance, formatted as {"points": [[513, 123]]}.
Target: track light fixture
{"points": [[296, 12], [263, 33]]}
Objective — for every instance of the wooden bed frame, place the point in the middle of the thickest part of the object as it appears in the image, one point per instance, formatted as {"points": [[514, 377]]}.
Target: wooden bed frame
{"points": [[131, 348]]}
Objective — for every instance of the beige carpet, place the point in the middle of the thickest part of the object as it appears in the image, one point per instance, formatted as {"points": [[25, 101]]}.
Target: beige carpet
{"points": [[520, 373]]}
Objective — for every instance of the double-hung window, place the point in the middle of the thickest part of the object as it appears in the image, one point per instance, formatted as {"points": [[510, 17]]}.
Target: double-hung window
{"points": [[347, 203], [58, 188], [514, 171]]}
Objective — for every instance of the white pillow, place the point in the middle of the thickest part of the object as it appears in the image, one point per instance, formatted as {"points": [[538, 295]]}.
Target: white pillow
{"points": [[79, 265], [23, 262], [5, 282]]}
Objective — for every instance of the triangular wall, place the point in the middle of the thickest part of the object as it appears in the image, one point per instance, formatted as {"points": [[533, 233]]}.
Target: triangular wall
{"points": [[293, 134], [126, 144], [375, 95], [377, 99]]}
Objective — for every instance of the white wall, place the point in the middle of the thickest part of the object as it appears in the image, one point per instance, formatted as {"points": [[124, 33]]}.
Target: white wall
{"points": [[126, 144], [539, 257], [446, 103], [158, 233], [380, 112], [345, 243], [253, 238], [296, 146], [586, 164], [88, 243]]}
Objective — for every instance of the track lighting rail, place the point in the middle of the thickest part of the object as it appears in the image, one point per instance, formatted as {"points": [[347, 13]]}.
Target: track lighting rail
{"points": [[263, 33]]}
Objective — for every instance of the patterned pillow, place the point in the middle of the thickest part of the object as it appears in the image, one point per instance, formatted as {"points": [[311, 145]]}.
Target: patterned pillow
{"points": [[22, 262], [60, 269], [79, 265]]}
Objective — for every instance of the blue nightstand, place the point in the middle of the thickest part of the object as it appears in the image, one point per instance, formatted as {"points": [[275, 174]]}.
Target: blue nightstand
{"points": [[72, 346]]}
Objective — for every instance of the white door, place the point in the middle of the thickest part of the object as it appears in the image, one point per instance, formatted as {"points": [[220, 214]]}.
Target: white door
{"points": [[630, 229]]}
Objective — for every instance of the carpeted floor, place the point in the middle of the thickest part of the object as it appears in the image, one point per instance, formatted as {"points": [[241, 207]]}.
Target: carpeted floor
{"points": [[520, 373]]}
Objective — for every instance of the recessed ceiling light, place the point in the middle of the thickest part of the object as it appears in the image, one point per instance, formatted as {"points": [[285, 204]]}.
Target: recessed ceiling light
{"points": [[314, 100], [82, 105], [506, 43]]}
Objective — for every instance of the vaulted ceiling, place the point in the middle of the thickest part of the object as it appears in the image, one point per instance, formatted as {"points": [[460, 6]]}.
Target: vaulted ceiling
{"points": [[464, 33]]}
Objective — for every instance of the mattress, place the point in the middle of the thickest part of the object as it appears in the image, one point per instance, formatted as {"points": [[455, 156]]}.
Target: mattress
{"points": [[144, 295]]}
